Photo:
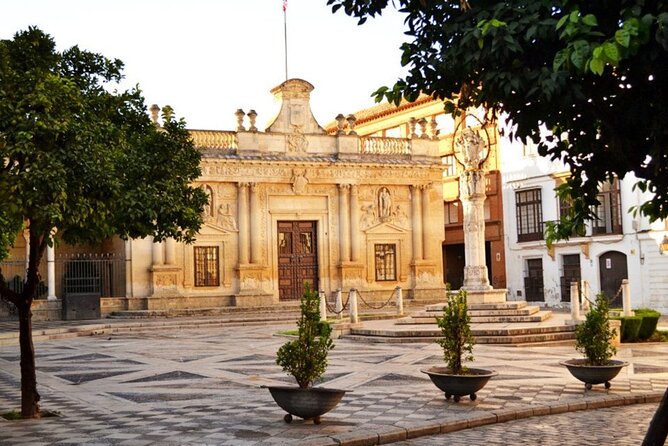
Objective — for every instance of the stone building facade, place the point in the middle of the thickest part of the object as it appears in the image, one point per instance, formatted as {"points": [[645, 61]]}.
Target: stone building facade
{"points": [[425, 118], [293, 205]]}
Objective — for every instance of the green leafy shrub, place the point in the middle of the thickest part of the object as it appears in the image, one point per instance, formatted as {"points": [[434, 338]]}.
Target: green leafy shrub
{"points": [[305, 358], [593, 336], [455, 325], [650, 319]]}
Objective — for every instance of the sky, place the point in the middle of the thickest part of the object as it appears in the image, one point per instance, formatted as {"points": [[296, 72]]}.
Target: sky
{"points": [[208, 58]]}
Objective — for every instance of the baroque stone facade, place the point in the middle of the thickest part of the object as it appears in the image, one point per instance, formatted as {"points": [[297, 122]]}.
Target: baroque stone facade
{"points": [[293, 205]]}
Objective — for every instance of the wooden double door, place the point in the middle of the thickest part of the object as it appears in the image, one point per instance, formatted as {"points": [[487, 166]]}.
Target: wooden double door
{"points": [[297, 258]]}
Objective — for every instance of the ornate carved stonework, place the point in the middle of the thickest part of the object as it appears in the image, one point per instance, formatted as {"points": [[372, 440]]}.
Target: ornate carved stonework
{"points": [[299, 181], [297, 142]]}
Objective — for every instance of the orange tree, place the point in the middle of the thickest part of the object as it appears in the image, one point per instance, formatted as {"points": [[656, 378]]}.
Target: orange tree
{"points": [[80, 157], [594, 73]]}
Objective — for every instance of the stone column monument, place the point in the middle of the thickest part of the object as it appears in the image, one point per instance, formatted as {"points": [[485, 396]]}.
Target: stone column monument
{"points": [[471, 150]]}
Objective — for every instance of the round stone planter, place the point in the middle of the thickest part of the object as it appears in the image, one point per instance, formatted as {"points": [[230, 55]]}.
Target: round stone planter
{"points": [[308, 404], [457, 386], [594, 374]]}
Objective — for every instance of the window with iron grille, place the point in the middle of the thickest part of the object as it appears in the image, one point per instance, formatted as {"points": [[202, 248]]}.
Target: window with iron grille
{"points": [[529, 213], [609, 213], [451, 212], [386, 261], [206, 266]]}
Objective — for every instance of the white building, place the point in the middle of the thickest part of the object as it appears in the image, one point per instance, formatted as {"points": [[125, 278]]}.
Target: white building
{"points": [[617, 246]]}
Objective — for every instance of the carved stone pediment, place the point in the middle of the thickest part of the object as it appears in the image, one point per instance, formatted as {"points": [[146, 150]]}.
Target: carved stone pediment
{"points": [[214, 229], [385, 229]]}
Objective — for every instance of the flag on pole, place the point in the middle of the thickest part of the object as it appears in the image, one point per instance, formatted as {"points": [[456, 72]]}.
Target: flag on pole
{"points": [[285, 5]]}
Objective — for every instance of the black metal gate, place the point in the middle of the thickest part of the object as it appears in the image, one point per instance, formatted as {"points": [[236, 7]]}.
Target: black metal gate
{"points": [[297, 258]]}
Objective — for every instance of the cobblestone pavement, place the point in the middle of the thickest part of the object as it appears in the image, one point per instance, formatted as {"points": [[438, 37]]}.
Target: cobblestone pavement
{"points": [[619, 426], [202, 386]]}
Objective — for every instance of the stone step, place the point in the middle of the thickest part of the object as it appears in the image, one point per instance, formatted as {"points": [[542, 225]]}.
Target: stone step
{"points": [[511, 305], [526, 311], [550, 335], [538, 316]]}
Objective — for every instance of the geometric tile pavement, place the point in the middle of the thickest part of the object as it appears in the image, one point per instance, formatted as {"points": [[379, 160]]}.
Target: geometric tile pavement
{"points": [[202, 386]]}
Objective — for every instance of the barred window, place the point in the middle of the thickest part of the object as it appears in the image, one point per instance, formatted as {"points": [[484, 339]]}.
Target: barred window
{"points": [[206, 266], [451, 212], [386, 261], [529, 212]]}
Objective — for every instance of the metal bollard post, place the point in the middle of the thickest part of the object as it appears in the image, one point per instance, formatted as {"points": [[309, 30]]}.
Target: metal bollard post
{"points": [[323, 306], [584, 286], [575, 301], [626, 298], [352, 301], [339, 304], [400, 301]]}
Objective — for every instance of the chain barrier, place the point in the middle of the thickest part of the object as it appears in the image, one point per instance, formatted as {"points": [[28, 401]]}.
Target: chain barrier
{"points": [[591, 302], [368, 305], [333, 310]]}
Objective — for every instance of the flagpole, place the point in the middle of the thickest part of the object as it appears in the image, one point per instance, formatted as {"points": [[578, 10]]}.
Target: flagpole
{"points": [[285, 36]]}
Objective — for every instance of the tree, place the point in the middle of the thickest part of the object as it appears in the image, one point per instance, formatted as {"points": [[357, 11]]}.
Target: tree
{"points": [[85, 160], [594, 73]]}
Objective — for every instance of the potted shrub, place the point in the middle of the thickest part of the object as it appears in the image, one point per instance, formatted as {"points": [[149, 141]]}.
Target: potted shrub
{"points": [[455, 379], [593, 338], [305, 358]]}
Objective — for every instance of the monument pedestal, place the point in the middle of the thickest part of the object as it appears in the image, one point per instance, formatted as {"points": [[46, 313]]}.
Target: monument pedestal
{"points": [[491, 296], [251, 294]]}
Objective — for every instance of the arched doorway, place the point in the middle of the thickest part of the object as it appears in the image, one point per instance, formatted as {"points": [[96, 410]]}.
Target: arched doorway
{"points": [[612, 270]]}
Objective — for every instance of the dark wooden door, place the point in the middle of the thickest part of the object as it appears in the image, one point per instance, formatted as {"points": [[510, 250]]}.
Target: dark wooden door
{"points": [[612, 270], [533, 283], [297, 258], [571, 274], [453, 256]]}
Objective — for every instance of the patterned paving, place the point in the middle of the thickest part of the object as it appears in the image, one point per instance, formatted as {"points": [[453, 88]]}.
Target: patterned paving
{"points": [[202, 386]]}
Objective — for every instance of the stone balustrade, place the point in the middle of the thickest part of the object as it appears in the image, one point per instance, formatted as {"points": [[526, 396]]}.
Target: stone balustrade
{"points": [[385, 146], [214, 139]]}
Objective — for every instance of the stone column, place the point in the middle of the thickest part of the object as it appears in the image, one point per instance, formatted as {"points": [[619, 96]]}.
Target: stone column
{"points": [[426, 233], [170, 251], [255, 247], [416, 214], [472, 196], [158, 257], [354, 222], [51, 272], [128, 268], [344, 223], [244, 234]]}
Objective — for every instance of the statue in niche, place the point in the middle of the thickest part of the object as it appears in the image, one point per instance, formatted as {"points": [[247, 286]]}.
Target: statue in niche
{"points": [[299, 181], [225, 219], [384, 204], [207, 213]]}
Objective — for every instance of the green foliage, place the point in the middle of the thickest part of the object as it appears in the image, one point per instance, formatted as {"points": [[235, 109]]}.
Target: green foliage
{"points": [[650, 319], [455, 325], [593, 337], [630, 328], [305, 358], [593, 73]]}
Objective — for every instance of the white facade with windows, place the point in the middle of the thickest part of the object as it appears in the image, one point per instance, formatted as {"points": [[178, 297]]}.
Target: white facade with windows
{"points": [[618, 245]]}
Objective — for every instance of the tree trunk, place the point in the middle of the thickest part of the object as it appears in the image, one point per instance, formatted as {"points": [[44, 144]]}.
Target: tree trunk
{"points": [[658, 427], [29, 395]]}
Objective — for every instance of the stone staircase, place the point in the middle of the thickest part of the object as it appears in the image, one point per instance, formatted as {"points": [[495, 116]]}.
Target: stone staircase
{"points": [[508, 323]]}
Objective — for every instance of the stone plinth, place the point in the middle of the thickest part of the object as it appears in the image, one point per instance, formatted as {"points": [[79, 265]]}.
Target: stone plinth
{"points": [[251, 278], [165, 280], [486, 297]]}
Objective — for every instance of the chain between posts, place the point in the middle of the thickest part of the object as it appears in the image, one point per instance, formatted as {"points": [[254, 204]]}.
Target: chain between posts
{"points": [[333, 310], [610, 300], [387, 302]]}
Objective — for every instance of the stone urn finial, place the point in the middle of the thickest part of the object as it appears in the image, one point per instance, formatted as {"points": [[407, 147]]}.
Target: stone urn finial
{"points": [[252, 116], [340, 124], [240, 120], [155, 110], [351, 124]]}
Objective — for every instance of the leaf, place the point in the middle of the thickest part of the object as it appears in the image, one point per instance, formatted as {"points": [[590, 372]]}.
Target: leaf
{"points": [[596, 66], [611, 51], [623, 37], [559, 59], [590, 20]]}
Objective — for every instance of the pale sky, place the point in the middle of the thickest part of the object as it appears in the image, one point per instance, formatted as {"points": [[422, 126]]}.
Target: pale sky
{"points": [[207, 58]]}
